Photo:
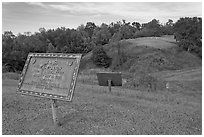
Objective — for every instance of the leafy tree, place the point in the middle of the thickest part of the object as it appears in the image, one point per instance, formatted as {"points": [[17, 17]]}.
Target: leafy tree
{"points": [[114, 27], [88, 37], [154, 24], [170, 22], [8, 42], [127, 31], [8, 39], [100, 58], [89, 28], [167, 29], [101, 35], [153, 28], [136, 25], [188, 33]]}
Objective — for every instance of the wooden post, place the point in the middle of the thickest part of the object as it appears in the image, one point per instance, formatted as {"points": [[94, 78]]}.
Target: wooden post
{"points": [[109, 85], [54, 112]]}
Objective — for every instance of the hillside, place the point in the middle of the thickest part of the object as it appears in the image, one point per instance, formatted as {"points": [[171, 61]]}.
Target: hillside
{"points": [[150, 54], [156, 42], [187, 81], [129, 109], [142, 57]]}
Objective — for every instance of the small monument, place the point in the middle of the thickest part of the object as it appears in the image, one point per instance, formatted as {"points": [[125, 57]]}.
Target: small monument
{"points": [[109, 79], [50, 75]]}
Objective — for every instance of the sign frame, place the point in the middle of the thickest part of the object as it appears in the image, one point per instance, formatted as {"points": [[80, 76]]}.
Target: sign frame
{"points": [[114, 77], [70, 91]]}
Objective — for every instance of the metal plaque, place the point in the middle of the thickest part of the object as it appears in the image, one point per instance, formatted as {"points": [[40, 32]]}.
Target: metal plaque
{"points": [[115, 77], [50, 75]]}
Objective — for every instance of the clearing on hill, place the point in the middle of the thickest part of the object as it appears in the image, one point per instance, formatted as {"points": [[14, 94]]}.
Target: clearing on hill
{"points": [[155, 42], [146, 56], [151, 54]]}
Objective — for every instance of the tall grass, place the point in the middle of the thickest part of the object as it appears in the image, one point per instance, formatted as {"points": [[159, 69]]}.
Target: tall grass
{"points": [[11, 75]]}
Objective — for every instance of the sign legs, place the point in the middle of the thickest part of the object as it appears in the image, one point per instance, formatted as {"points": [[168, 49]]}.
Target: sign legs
{"points": [[109, 85], [54, 112]]}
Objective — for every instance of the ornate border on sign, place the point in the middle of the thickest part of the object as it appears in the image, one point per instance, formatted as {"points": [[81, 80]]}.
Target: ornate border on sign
{"points": [[45, 95]]}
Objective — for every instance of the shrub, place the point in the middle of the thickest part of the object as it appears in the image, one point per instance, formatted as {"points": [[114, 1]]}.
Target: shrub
{"points": [[100, 57]]}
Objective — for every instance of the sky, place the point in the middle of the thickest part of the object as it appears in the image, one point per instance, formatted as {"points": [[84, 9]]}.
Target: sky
{"points": [[20, 17]]}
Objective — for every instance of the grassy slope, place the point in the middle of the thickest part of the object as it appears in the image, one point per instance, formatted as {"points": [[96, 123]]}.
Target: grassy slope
{"points": [[187, 81], [150, 53], [95, 111], [154, 54], [124, 111], [156, 42], [145, 56]]}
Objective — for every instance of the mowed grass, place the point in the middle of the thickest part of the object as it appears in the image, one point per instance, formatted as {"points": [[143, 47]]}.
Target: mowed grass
{"points": [[155, 42], [126, 110], [187, 81], [94, 110]]}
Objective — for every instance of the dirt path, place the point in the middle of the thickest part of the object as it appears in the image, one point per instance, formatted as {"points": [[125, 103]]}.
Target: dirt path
{"points": [[96, 111]]}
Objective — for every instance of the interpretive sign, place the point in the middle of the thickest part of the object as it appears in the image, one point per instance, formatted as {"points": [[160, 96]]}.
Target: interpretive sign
{"points": [[50, 75], [114, 77]]}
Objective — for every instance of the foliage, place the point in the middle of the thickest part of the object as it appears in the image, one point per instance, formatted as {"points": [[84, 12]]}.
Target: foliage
{"points": [[147, 33], [101, 35], [85, 38], [89, 28], [167, 29], [16, 48], [153, 29], [137, 25], [100, 58], [127, 31], [188, 32]]}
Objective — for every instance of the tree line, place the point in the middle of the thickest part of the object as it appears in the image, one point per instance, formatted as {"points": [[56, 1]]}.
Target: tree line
{"points": [[187, 31]]}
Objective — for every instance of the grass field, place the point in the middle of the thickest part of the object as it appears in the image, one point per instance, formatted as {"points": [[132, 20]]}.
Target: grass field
{"points": [[129, 109], [94, 110], [155, 42], [147, 55]]}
